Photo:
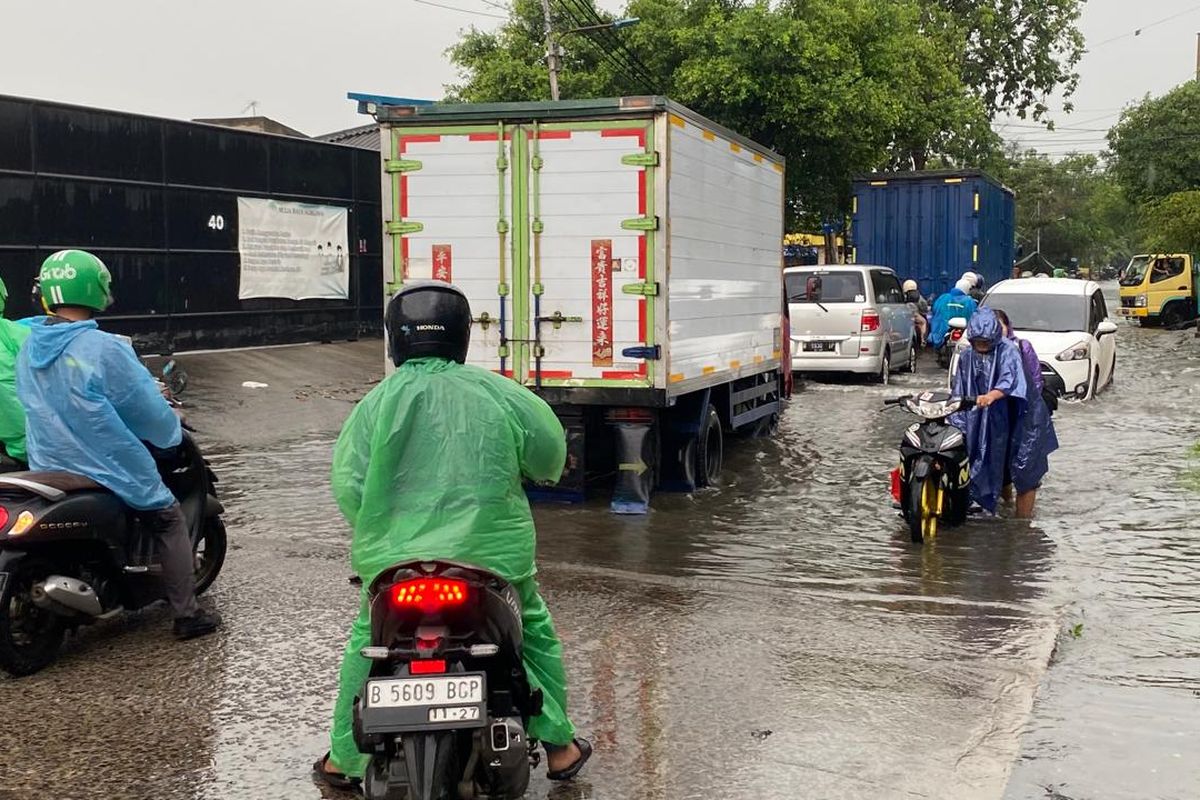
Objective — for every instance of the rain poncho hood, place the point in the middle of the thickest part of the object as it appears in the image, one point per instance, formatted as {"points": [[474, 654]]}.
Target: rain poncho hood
{"points": [[954, 303], [90, 406], [988, 430], [429, 465]]}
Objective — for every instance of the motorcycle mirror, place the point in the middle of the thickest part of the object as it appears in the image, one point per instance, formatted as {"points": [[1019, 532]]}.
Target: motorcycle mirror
{"points": [[812, 289], [959, 322]]}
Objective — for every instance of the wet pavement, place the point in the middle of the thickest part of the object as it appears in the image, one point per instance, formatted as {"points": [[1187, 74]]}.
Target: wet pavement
{"points": [[778, 637]]}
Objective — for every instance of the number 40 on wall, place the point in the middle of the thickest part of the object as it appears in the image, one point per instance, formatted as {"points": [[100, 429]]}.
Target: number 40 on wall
{"points": [[216, 222]]}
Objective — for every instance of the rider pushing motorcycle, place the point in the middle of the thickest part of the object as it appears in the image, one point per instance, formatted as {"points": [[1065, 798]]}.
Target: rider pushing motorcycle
{"points": [[90, 405], [429, 465]]}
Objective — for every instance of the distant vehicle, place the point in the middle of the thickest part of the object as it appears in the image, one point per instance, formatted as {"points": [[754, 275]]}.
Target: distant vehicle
{"points": [[934, 225], [1066, 321], [1160, 289], [850, 318]]}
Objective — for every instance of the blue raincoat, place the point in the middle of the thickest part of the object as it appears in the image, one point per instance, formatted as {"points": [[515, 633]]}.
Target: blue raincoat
{"points": [[90, 404], [1034, 438], [989, 430], [954, 303]]}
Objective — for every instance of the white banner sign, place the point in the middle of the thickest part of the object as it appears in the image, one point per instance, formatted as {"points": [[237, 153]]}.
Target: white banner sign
{"points": [[293, 250]]}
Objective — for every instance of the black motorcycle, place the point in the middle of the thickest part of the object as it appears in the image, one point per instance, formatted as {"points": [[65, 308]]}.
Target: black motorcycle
{"points": [[933, 480], [444, 711], [72, 553]]}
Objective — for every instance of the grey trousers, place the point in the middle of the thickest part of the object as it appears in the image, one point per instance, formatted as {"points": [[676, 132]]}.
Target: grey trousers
{"points": [[174, 547]]}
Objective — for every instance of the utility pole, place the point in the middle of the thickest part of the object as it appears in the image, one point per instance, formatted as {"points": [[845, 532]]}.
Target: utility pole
{"points": [[1198, 79], [551, 50], [1039, 227]]}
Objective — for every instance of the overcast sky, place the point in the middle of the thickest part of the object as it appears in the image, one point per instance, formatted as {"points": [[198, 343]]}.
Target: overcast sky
{"points": [[298, 58]]}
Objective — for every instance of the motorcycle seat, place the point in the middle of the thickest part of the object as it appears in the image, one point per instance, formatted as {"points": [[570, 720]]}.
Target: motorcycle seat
{"points": [[52, 486]]}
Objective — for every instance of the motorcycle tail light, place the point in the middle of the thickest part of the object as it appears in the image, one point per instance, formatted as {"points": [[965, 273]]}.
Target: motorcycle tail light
{"points": [[3, 518], [429, 594], [427, 667], [956, 334], [896, 484]]}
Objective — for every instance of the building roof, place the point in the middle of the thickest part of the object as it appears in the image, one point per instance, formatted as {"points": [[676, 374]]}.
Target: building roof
{"points": [[364, 136]]}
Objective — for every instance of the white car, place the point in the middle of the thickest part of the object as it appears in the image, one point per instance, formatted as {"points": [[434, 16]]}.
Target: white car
{"points": [[1066, 321], [850, 318]]}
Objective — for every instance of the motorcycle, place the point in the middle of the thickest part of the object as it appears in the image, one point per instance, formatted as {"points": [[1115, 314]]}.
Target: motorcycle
{"points": [[932, 483], [445, 707], [71, 553], [949, 344]]}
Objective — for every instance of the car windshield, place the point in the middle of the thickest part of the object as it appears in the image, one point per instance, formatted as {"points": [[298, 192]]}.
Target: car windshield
{"points": [[836, 287], [1133, 274], [1042, 312]]}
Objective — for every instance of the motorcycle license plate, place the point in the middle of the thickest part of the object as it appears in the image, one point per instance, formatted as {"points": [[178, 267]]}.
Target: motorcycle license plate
{"points": [[425, 691], [819, 347]]}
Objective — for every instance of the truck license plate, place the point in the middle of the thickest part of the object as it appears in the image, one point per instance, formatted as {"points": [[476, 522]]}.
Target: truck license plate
{"points": [[820, 347]]}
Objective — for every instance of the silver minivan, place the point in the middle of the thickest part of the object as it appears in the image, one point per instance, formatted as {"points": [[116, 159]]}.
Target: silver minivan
{"points": [[849, 318]]}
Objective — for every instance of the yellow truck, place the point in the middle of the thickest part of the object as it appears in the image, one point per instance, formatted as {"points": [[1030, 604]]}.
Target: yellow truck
{"points": [[1159, 289]]}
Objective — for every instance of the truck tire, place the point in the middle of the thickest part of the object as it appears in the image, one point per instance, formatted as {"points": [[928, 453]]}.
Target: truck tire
{"points": [[710, 450], [1174, 314]]}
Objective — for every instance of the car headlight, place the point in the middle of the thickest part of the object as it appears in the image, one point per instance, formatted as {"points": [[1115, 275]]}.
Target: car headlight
{"points": [[1076, 352], [1139, 301]]}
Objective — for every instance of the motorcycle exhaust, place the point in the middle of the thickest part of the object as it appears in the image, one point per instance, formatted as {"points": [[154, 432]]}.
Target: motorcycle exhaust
{"points": [[64, 595]]}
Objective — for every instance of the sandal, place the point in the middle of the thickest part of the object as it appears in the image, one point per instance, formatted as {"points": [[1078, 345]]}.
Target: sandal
{"points": [[585, 752], [335, 780]]}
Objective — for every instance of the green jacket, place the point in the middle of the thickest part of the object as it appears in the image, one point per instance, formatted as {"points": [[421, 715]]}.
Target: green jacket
{"points": [[429, 465], [12, 415]]}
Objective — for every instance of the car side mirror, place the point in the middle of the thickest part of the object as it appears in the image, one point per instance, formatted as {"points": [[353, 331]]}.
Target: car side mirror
{"points": [[1106, 328], [812, 289], [959, 322]]}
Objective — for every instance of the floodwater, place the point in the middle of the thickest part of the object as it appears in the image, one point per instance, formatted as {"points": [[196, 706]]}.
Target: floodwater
{"points": [[777, 637]]}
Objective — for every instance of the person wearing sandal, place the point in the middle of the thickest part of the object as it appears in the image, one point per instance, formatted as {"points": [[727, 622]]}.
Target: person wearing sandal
{"points": [[430, 465]]}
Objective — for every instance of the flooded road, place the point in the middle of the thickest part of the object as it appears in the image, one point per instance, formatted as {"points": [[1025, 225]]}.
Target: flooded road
{"points": [[777, 637]]}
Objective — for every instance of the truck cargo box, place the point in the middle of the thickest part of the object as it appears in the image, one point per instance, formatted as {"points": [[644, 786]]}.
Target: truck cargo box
{"points": [[933, 226], [621, 251]]}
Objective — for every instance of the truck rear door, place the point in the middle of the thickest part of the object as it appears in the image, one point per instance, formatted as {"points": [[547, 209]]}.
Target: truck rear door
{"points": [[591, 232], [449, 216]]}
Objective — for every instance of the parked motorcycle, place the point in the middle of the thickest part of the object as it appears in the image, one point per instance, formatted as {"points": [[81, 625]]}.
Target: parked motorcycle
{"points": [[444, 710], [932, 483], [71, 553]]}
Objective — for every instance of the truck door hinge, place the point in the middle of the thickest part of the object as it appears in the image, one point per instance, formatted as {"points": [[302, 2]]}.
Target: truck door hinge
{"points": [[403, 228], [485, 320], [393, 165], [642, 289], [640, 160], [649, 353], [640, 224]]}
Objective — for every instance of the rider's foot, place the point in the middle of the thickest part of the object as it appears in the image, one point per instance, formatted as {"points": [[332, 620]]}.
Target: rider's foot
{"points": [[199, 624], [564, 762]]}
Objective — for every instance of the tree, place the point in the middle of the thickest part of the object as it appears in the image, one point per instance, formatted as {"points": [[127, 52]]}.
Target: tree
{"points": [[1156, 145], [1016, 52], [839, 87], [1172, 224], [1075, 204]]}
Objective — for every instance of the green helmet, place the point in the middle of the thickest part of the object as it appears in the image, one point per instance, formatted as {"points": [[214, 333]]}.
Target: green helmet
{"points": [[75, 278]]}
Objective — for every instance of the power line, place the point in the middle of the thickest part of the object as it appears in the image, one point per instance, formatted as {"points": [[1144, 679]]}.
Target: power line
{"points": [[1138, 31], [640, 70], [460, 10], [618, 56]]}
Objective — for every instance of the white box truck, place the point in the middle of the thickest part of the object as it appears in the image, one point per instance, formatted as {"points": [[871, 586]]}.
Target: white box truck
{"points": [[622, 259]]}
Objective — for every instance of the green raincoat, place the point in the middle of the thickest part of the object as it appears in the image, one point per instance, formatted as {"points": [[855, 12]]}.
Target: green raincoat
{"points": [[429, 466], [12, 415]]}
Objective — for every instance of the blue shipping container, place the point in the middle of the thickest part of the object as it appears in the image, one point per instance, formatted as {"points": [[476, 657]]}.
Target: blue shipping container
{"points": [[934, 226]]}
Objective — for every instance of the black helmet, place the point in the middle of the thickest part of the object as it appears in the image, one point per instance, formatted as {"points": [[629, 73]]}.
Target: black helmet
{"points": [[428, 318]]}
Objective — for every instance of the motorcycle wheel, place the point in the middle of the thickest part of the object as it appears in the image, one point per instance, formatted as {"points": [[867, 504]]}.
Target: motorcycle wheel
{"points": [[209, 553], [29, 636], [923, 509]]}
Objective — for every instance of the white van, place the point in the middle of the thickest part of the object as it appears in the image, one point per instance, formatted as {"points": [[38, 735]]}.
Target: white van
{"points": [[850, 318]]}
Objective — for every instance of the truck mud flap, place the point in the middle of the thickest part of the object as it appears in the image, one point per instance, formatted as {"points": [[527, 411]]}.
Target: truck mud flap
{"points": [[636, 461], [571, 487]]}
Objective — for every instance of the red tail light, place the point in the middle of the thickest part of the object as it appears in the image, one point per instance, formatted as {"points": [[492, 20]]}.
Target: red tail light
{"points": [[956, 334], [870, 321], [429, 594], [3, 518], [434, 667], [896, 484]]}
